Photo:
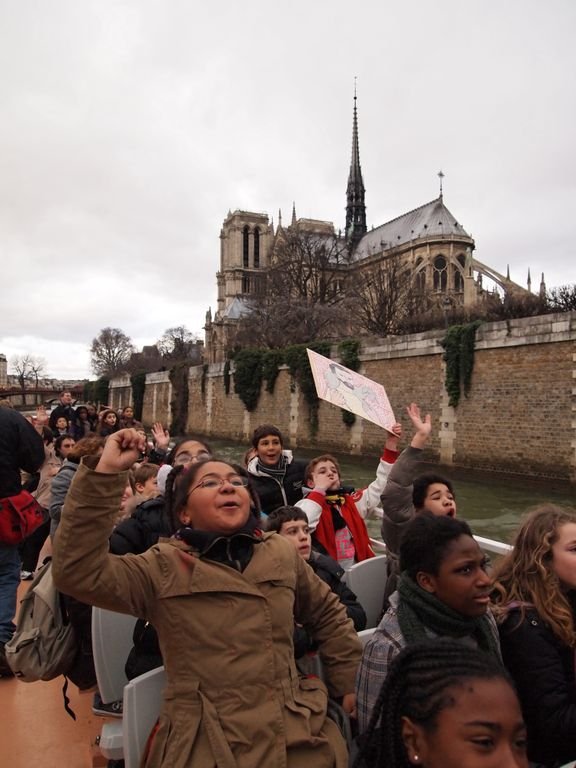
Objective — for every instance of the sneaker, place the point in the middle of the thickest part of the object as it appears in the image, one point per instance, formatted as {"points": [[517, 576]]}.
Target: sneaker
{"points": [[5, 670], [113, 709], [26, 575]]}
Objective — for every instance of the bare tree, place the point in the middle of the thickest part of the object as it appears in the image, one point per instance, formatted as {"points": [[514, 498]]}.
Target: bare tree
{"points": [[562, 298], [177, 344], [384, 295], [110, 351], [37, 368], [22, 367], [300, 297], [309, 265]]}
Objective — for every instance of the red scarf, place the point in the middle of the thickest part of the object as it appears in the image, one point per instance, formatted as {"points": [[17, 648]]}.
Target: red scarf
{"points": [[325, 534]]}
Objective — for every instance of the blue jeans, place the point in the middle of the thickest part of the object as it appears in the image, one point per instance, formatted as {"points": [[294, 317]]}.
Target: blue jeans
{"points": [[9, 580]]}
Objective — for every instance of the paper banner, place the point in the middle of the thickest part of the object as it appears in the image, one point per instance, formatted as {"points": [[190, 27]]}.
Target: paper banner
{"points": [[351, 391]]}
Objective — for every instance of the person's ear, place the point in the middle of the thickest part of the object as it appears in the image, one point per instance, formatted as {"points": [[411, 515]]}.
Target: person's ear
{"points": [[414, 741], [185, 517], [426, 581], [139, 487]]}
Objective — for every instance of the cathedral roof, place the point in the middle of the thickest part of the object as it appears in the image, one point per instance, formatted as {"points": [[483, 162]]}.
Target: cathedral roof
{"points": [[429, 220]]}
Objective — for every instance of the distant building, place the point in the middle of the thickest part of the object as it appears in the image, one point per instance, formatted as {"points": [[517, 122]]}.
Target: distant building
{"points": [[430, 241], [3, 371]]}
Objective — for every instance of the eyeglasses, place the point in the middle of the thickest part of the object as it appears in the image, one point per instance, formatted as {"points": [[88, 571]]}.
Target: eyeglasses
{"points": [[212, 483], [187, 458]]}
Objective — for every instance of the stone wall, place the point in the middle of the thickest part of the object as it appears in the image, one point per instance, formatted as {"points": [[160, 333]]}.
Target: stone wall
{"points": [[520, 415]]}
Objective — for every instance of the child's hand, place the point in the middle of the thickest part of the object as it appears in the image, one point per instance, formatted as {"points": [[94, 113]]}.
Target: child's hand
{"points": [[423, 427], [161, 436], [391, 443], [121, 450], [322, 481]]}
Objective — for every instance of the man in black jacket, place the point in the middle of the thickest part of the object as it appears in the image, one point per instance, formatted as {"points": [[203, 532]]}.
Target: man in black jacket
{"points": [[21, 447], [64, 408]]}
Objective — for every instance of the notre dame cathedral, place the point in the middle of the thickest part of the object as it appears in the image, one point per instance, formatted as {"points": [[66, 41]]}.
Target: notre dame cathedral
{"points": [[429, 240]]}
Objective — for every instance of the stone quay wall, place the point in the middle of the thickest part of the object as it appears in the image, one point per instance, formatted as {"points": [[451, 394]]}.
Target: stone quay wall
{"points": [[519, 417]]}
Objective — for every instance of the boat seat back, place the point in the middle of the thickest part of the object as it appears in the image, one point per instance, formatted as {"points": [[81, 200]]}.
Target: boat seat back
{"points": [[367, 580], [142, 702], [111, 643]]}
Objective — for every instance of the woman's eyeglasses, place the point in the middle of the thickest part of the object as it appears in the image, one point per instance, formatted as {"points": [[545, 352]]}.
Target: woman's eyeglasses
{"points": [[212, 483], [187, 458]]}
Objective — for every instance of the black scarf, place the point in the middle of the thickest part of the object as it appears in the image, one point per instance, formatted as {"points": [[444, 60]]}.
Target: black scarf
{"points": [[419, 610], [235, 550]]}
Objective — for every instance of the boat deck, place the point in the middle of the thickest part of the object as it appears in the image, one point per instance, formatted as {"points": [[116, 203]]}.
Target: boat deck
{"points": [[36, 730]]}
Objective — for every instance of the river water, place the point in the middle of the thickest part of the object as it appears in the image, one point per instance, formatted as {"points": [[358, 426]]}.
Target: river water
{"points": [[491, 504]]}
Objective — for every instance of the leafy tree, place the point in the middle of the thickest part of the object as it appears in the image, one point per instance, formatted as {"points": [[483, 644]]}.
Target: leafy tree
{"points": [[110, 352]]}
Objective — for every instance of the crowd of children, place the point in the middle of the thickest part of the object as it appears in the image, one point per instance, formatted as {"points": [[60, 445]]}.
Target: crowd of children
{"points": [[454, 635]]}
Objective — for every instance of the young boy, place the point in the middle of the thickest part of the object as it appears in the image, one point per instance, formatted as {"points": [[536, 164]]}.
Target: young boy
{"points": [[408, 493], [336, 515], [292, 524], [146, 481]]}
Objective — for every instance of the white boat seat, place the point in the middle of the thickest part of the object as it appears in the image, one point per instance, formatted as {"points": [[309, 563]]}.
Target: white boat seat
{"points": [[142, 703], [368, 580], [111, 643]]}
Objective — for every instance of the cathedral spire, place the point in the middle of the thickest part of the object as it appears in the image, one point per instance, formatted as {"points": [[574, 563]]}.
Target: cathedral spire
{"points": [[293, 214], [355, 206]]}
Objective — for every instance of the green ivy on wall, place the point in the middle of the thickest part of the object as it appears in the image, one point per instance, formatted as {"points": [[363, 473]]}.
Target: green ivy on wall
{"points": [[458, 346], [138, 381], [248, 375], [271, 362], [227, 377], [97, 391], [349, 353], [296, 359], [178, 376]]}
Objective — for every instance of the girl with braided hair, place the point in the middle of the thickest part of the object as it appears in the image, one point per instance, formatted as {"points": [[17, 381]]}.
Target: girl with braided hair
{"points": [[445, 705], [536, 611], [443, 591]]}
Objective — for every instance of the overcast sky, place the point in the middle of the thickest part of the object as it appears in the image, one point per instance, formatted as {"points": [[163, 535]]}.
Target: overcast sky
{"points": [[129, 129]]}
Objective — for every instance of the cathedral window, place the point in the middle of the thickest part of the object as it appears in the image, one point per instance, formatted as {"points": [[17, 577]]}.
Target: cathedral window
{"points": [[421, 281], [440, 274], [256, 248], [245, 250], [458, 281]]}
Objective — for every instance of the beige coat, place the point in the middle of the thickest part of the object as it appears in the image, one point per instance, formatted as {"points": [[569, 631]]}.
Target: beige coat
{"points": [[233, 698]]}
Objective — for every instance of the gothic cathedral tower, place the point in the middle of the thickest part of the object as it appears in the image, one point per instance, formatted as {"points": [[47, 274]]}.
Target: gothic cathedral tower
{"points": [[355, 192]]}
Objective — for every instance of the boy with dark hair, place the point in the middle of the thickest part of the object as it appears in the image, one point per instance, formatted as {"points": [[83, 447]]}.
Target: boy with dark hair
{"points": [[276, 476], [408, 493], [292, 524]]}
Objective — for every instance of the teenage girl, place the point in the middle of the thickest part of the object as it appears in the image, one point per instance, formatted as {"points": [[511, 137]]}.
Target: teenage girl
{"points": [[536, 596], [445, 705]]}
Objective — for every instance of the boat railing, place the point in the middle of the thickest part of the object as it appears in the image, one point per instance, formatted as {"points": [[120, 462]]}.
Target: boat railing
{"points": [[488, 545]]}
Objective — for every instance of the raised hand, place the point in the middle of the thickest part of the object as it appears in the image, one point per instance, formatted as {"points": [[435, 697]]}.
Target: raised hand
{"points": [[422, 427], [391, 443], [160, 435], [121, 450]]}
